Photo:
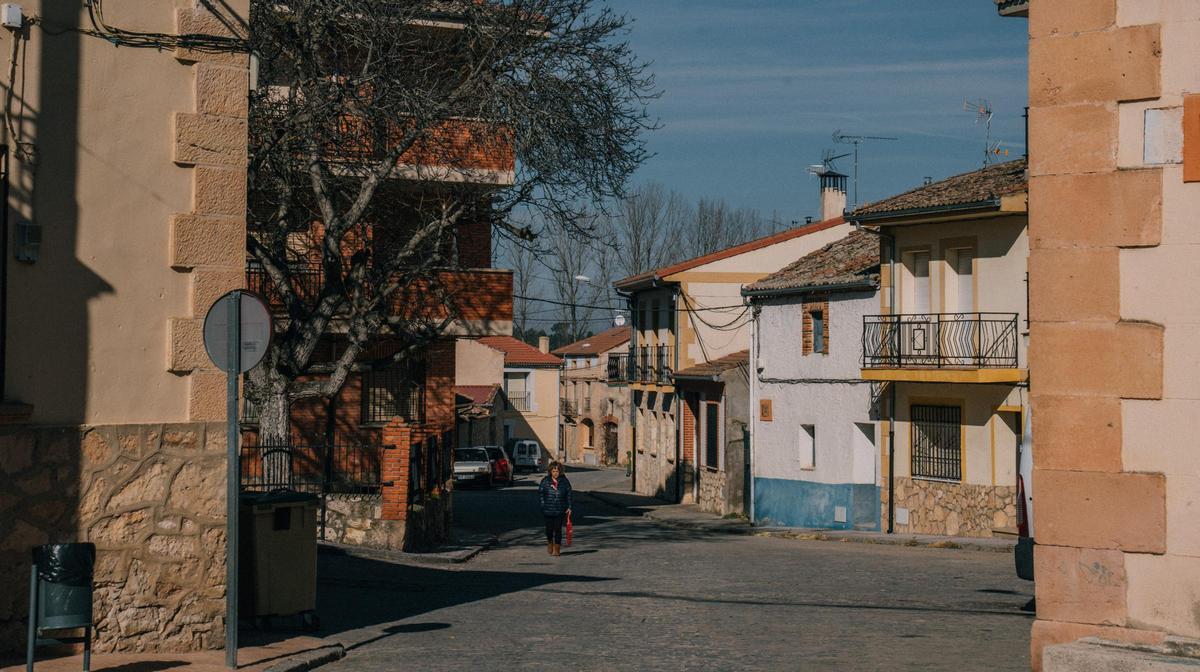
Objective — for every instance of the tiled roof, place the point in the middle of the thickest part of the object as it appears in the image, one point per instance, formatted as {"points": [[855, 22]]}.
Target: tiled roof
{"points": [[594, 345], [717, 366], [729, 252], [852, 259], [475, 394], [519, 353], [993, 181]]}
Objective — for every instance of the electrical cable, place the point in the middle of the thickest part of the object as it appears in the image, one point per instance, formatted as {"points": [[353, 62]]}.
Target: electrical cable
{"points": [[144, 40]]}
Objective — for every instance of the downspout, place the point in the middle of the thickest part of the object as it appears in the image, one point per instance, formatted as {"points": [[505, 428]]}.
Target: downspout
{"points": [[679, 458], [754, 313]]}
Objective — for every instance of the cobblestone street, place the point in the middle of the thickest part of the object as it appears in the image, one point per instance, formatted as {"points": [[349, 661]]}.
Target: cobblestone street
{"points": [[633, 595]]}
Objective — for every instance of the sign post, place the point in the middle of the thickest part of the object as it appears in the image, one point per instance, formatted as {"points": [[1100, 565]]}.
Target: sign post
{"points": [[237, 332]]}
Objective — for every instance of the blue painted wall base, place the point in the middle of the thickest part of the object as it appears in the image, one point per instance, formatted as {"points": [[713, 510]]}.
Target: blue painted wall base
{"points": [[789, 503]]}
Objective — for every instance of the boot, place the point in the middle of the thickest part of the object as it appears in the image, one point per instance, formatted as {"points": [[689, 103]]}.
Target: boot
{"points": [[557, 549], [550, 547]]}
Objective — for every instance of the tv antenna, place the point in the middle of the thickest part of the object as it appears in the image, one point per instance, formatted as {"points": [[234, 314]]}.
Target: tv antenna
{"points": [[826, 164], [856, 140], [982, 109]]}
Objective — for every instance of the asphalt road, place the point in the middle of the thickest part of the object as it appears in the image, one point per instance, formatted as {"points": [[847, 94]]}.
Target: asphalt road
{"points": [[632, 595]]}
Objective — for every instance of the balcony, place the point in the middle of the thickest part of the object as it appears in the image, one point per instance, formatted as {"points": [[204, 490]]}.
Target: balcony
{"points": [[518, 401], [946, 347], [653, 366], [619, 367]]}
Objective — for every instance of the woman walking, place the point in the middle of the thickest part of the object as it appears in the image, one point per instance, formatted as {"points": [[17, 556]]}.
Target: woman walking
{"points": [[554, 494]]}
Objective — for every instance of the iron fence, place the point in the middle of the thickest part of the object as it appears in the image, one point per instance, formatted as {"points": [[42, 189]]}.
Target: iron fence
{"points": [[319, 469], [518, 400], [940, 340], [307, 280]]}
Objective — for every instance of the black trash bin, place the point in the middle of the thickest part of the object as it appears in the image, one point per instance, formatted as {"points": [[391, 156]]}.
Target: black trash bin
{"points": [[60, 597]]}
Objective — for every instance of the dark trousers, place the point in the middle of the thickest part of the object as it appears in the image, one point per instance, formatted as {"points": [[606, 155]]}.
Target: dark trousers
{"points": [[554, 525]]}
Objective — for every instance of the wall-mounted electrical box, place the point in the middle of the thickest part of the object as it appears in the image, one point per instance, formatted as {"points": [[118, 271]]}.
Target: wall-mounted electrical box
{"points": [[29, 242], [11, 16]]}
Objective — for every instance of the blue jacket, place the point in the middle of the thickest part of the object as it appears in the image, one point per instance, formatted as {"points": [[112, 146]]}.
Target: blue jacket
{"points": [[554, 501]]}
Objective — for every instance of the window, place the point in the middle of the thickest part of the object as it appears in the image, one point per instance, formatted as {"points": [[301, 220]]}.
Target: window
{"points": [[964, 271], [816, 328], [918, 269], [936, 442], [818, 331], [516, 388], [712, 435], [808, 446], [393, 392]]}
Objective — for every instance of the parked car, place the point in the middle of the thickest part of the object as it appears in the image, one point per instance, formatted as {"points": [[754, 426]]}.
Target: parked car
{"points": [[527, 454], [502, 466], [1023, 553], [473, 466]]}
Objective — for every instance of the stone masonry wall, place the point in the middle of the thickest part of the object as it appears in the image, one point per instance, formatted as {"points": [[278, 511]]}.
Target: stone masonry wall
{"points": [[953, 509], [152, 499], [358, 520]]}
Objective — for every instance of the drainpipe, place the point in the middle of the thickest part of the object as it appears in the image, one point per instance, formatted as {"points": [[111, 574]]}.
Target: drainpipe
{"points": [[891, 240], [676, 322], [754, 314]]}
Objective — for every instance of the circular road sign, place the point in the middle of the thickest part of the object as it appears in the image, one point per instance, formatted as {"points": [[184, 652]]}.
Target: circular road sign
{"points": [[254, 327]]}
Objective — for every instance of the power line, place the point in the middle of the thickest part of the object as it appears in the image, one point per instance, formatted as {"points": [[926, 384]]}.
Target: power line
{"points": [[582, 305]]}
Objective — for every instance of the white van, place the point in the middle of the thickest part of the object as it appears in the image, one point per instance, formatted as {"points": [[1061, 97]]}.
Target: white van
{"points": [[1023, 554], [527, 454]]}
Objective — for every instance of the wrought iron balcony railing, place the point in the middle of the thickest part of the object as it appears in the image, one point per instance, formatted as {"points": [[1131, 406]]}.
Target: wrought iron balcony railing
{"points": [[619, 367], [519, 401], [653, 365], [946, 340]]}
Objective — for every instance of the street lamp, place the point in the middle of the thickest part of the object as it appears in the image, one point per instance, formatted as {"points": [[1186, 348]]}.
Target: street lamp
{"points": [[617, 319]]}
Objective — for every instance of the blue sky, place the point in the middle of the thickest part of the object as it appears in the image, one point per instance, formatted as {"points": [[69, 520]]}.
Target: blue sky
{"points": [[753, 90]]}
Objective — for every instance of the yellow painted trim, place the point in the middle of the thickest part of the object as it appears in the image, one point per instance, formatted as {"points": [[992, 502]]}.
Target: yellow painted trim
{"points": [[976, 376], [1018, 203], [1010, 409], [741, 277], [992, 427]]}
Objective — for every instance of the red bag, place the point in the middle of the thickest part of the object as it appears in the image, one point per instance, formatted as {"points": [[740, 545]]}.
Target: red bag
{"points": [[570, 530]]}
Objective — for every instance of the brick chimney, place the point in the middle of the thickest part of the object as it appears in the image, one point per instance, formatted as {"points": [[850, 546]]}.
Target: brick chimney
{"points": [[544, 343], [833, 193]]}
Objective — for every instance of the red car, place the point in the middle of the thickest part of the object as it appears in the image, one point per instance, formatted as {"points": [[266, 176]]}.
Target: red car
{"points": [[502, 466]]}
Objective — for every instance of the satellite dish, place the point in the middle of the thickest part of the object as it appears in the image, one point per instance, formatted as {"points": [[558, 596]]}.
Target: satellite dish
{"points": [[619, 320]]}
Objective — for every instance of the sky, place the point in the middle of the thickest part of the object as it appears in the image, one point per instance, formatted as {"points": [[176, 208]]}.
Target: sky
{"points": [[754, 89]]}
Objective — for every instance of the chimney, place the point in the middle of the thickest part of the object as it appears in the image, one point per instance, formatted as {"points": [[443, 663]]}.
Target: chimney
{"points": [[544, 344], [833, 193]]}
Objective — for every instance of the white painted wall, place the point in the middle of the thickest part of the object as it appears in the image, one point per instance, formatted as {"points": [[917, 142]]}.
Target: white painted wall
{"points": [[842, 454]]}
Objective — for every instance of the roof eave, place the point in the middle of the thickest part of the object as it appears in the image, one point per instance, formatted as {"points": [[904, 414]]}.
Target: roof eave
{"points": [[715, 378], [809, 289], [909, 213]]}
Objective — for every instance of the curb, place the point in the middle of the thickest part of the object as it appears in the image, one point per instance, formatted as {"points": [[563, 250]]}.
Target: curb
{"points": [[308, 660], [800, 534], [478, 544]]}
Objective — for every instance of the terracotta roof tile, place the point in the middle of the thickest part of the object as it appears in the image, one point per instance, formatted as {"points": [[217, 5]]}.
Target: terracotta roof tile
{"points": [[751, 246], [717, 366], [852, 259], [475, 394], [996, 180], [519, 353], [594, 345]]}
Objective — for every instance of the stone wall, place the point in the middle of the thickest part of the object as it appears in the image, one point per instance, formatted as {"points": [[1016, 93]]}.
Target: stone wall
{"points": [[358, 520], [953, 509], [152, 499]]}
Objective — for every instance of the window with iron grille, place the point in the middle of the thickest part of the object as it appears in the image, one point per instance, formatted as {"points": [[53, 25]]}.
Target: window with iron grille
{"points": [[393, 392], [937, 442]]}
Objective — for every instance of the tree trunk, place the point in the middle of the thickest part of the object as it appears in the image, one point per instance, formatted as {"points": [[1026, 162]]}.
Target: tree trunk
{"points": [[274, 434]]}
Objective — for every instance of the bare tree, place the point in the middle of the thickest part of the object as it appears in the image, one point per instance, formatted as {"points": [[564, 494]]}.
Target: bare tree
{"points": [[374, 135], [646, 226], [522, 259], [718, 226], [570, 258]]}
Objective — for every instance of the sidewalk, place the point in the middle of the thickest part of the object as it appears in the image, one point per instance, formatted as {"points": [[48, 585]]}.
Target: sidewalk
{"points": [[461, 547], [291, 655], [690, 517]]}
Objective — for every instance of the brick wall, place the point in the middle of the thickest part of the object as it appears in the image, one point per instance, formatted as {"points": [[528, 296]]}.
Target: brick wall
{"points": [[809, 308]]}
